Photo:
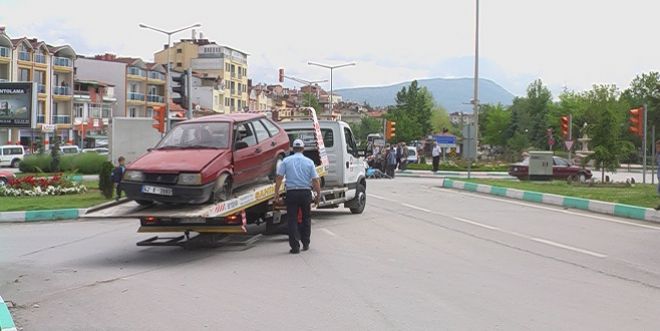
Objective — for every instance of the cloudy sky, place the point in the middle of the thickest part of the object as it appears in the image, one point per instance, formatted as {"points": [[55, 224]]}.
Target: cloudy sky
{"points": [[567, 43]]}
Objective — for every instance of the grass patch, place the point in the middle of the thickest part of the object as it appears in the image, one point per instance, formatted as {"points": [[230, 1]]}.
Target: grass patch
{"points": [[639, 195], [88, 199]]}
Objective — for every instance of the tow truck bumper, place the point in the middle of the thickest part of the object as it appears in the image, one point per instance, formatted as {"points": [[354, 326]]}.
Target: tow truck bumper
{"points": [[180, 193]]}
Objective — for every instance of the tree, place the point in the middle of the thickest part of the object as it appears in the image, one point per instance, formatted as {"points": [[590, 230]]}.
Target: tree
{"points": [[539, 100], [412, 112], [495, 121], [440, 119], [366, 126], [105, 182], [310, 100], [55, 156]]}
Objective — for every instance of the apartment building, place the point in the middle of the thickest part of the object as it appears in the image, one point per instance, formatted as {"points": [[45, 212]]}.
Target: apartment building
{"points": [[138, 86], [52, 69], [209, 59], [93, 106]]}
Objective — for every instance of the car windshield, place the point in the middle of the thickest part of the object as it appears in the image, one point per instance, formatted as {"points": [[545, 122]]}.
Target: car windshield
{"points": [[197, 135]]}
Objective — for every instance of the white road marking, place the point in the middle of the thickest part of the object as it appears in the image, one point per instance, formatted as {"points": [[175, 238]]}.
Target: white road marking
{"points": [[532, 205], [415, 207], [475, 223], [571, 248], [328, 232]]}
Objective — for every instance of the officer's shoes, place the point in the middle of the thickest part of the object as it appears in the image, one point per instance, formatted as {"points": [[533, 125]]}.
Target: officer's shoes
{"points": [[305, 247], [294, 251]]}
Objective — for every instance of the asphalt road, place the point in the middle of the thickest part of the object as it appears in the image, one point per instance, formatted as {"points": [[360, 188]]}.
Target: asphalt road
{"points": [[419, 258]]}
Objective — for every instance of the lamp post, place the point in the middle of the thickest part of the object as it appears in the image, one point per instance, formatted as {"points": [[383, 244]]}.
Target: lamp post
{"points": [[475, 99], [169, 51], [309, 84], [337, 66]]}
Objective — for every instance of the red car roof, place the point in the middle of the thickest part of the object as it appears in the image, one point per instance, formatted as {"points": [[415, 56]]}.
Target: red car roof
{"points": [[236, 117]]}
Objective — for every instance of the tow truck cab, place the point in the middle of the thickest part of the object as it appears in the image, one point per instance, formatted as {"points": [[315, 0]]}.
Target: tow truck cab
{"points": [[344, 180]]}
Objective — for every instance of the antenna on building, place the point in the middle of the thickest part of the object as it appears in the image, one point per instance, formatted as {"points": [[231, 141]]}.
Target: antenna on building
{"points": [[194, 34], [201, 35]]}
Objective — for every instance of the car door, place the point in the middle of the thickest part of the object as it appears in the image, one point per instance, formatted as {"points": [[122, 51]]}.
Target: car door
{"points": [[352, 163], [265, 148], [246, 156]]}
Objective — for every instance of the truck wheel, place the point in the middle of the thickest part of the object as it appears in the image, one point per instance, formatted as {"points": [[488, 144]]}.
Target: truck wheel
{"points": [[273, 173], [144, 202], [357, 205], [15, 162], [223, 188]]}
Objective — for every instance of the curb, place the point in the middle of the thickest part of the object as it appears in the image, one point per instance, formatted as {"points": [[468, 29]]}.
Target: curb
{"points": [[596, 206], [6, 322], [41, 215], [440, 175]]}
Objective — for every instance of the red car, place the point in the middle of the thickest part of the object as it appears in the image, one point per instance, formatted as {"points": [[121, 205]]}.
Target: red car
{"points": [[561, 169], [204, 159], [5, 177]]}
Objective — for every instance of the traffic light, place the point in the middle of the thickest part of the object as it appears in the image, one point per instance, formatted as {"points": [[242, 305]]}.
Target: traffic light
{"points": [[182, 80], [159, 119], [281, 75], [564, 126], [390, 129], [636, 121]]}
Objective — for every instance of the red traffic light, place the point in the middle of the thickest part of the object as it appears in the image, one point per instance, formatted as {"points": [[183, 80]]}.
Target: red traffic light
{"points": [[159, 119], [281, 78], [636, 121], [390, 130], [564, 126]]}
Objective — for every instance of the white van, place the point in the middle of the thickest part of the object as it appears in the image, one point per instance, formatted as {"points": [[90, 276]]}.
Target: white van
{"points": [[69, 149], [11, 155]]}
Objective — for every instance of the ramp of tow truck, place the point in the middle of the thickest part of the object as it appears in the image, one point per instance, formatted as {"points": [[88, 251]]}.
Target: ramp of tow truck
{"points": [[243, 198]]}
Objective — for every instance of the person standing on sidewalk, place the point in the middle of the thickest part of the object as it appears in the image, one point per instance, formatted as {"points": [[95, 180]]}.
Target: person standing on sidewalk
{"points": [[435, 153], [118, 174], [301, 176]]}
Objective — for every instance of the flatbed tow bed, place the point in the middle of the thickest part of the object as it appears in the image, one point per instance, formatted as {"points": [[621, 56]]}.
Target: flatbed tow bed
{"points": [[222, 223]]}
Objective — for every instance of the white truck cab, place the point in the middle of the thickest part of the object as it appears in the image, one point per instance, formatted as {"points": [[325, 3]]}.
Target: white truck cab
{"points": [[345, 179]]}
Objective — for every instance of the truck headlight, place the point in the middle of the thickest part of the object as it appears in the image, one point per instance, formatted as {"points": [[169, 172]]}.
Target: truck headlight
{"points": [[134, 176], [190, 179]]}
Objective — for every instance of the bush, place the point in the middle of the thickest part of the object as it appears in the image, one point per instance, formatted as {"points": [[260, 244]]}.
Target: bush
{"points": [[105, 183], [85, 163]]}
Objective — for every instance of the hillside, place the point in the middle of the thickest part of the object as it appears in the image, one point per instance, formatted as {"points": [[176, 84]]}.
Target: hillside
{"points": [[453, 94]]}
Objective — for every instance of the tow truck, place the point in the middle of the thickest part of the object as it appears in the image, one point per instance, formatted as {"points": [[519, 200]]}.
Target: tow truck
{"points": [[226, 222]]}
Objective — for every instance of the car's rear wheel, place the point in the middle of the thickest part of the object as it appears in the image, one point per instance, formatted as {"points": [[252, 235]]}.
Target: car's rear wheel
{"points": [[15, 162], [223, 188], [273, 173], [3, 181]]}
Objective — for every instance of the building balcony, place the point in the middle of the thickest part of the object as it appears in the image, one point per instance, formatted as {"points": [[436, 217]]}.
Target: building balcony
{"points": [[62, 91], [61, 119], [5, 54], [233, 74], [40, 58], [41, 88], [136, 73], [155, 98], [41, 118], [135, 96], [156, 77], [62, 62], [24, 56]]}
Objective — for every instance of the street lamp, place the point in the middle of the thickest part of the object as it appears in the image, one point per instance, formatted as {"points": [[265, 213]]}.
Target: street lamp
{"points": [[475, 100], [337, 66], [169, 51]]}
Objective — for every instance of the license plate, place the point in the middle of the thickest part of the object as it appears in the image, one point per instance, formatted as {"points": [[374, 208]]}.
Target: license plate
{"points": [[156, 190]]}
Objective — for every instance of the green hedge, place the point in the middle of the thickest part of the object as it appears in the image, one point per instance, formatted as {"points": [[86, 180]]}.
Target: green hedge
{"points": [[84, 163], [453, 167]]}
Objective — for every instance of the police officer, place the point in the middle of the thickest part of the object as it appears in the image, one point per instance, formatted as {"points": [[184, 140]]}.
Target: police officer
{"points": [[301, 175]]}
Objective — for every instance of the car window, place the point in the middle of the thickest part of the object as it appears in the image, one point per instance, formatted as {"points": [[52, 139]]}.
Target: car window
{"points": [[13, 151], [260, 130], [194, 135], [272, 129], [245, 133], [351, 148], [560, 162], [309, 138]]}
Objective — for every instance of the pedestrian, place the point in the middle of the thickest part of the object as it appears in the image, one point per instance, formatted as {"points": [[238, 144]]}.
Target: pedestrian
{"points": [[391, 161], [435, 153], [301, 176], [404, 157], [118, 174], [399, 154]]}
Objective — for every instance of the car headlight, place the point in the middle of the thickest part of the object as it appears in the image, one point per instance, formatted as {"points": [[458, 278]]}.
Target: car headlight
{"points": [[190, 179], [135, 176]]}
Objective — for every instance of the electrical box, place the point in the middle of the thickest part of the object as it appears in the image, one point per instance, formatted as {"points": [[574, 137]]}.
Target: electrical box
{"points": [[540, 165]]}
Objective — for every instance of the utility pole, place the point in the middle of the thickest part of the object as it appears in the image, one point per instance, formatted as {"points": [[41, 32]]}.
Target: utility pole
{"points": [[644, 138], [332, 68], [189, 113], [570, 134], [475, 99]]}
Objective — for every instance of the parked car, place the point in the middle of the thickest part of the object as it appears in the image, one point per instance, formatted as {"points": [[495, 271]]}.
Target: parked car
{"points": [[205, 159], [11, 155], [69, 149], [5, 177], [561, 169], [98, 150], [412, 154]]}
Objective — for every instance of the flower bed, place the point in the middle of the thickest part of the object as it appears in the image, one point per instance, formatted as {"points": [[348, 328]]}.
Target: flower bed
{"points": [[41, 186]]}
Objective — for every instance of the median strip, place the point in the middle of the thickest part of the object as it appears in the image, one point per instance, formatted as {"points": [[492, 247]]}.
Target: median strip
{"points": [[602, 207], [6, 322], [41, 215]]}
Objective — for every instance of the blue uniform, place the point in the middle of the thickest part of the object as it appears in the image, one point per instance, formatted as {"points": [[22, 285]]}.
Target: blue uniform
{"points": [[298, 170]]}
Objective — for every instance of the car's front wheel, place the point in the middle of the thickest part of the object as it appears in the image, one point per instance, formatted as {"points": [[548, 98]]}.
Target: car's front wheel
{"points": [[15, 162], [223, 188]]}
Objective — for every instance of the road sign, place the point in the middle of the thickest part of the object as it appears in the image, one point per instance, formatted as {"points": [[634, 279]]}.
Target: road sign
{"points": [[445, 141], [48, 128], [569, 144]]}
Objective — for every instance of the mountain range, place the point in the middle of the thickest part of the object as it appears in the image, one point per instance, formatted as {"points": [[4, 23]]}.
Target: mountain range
{"points": [[454, 94]]}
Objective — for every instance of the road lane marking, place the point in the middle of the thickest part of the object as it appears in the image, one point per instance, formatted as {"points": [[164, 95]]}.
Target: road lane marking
{"points": [[416, 208], [571, 248], [531, 205], [328, 232], [475, 223]]}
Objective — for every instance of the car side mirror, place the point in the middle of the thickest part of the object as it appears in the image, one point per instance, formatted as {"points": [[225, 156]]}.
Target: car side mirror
{"points": [[240, 145]]}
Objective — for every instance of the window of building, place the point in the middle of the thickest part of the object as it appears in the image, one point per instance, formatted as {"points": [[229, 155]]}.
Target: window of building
{"points": [[179, 50], [23, 75], [134, 87], [132, 112], [150, 112], [79, 109], [227, 67], [39, 77], [179, 64]]}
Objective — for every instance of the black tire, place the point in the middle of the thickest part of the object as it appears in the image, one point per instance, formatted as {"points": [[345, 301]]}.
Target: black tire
{"points": [[357, 205], [273, 173], [144, 202], [3, 181], [223, 188], [15, 162]]}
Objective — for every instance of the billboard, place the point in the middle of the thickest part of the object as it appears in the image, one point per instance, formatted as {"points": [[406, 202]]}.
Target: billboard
{"points": [[18, 105]]}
